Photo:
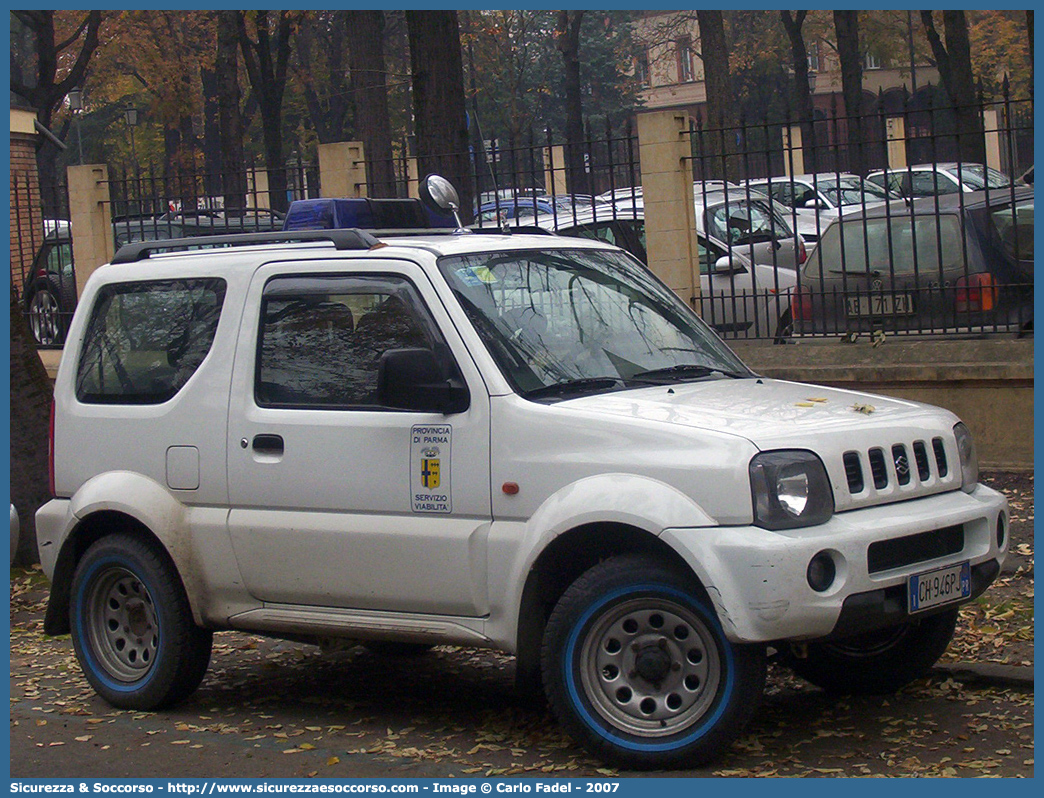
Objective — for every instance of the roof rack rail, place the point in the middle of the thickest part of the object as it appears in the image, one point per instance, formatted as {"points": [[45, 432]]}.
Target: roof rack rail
{"points": [[346, 238]]}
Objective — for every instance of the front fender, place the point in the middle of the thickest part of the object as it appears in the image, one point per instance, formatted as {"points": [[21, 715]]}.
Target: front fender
{"points": [[625, 499]]}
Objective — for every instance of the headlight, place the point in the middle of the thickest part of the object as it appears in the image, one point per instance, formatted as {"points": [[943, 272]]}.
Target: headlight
{"points": [[790, 489], [969, 460]]}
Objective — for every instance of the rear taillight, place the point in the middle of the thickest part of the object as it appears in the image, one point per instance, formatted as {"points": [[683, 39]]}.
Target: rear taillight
{"points": [[802, 252], [976, 292], [801, 304], [50, 453]]}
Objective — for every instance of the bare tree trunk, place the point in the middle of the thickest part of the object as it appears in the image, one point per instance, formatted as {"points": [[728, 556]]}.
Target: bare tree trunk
{"points": [[266, 60], [715, 54], [438, 99], [846, 24], [954, 62], [230, 117], [370, 95], [30, 421], [802, 90], [567, 32]]}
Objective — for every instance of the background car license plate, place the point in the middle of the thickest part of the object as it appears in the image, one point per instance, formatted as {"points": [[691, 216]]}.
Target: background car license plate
{"points": [[937, 587], [879, 304]]}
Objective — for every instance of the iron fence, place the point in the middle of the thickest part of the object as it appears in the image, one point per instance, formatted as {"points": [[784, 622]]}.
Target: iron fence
{"points": [[782, 254]]}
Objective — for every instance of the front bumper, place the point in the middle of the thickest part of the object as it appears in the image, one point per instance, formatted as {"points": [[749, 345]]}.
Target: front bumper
{"points": [[757, 579]]}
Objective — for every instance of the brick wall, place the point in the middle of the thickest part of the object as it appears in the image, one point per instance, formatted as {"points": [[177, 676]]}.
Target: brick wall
{"points": [[26, 214]]}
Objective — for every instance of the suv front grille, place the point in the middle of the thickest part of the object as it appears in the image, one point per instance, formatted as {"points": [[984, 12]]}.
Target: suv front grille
{"points": [[940, 456], [900, 552], [880, 468], [853, 472]]}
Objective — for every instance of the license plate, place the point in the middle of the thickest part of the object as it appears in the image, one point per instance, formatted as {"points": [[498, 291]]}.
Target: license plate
{"points": [[879, 304], [941, 586]]}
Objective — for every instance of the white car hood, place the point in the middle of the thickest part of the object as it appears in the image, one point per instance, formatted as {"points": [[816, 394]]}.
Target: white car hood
{"points": [[773, 413]]}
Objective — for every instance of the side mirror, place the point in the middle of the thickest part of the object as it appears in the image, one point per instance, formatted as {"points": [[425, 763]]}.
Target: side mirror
{"points": [[439, 194], [412, 379], [726, 264]]}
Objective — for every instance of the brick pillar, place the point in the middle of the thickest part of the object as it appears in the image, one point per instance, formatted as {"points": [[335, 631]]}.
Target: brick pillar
{"points": [[670, 215], [342, 169], [895, 131], [793, 151], [27, 228], [554, 170], [90, 219]]}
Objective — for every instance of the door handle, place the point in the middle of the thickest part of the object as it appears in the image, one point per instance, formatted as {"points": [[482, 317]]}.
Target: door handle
{"points": [[268, 444]]}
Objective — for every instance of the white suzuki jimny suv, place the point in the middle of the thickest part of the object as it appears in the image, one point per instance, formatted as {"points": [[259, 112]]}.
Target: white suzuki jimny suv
{"points": [[519, 442]]}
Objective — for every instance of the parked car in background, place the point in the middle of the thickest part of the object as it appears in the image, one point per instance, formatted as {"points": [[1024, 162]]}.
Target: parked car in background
{"points": [[749, 224], [205, 222], [738, 298], [507, 194], [815, 200], [49, 291], [560, 204], [957, 262], [929, 180]]}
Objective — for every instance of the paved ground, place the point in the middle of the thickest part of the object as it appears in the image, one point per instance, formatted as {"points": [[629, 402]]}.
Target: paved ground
{"points": [[272, 709]]}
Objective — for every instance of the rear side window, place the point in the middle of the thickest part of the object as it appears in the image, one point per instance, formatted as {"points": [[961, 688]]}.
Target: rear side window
{"points": [[1015, 228], [145, 339]]}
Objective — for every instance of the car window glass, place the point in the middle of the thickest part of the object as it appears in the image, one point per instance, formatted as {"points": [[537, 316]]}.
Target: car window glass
{"points": [[898, 246], [1015, 228], [929, 184], [747, 222], [804, 196], [596, 232], [321, 338], [145, 339]]}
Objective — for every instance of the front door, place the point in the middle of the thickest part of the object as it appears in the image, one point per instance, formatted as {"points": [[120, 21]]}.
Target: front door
{"points": [[337, 501]]}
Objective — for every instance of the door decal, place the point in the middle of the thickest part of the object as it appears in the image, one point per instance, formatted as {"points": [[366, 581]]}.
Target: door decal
{"points": [[430, 449]]}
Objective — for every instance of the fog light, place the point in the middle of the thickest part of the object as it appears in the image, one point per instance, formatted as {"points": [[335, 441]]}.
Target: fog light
{"points": [[1002, 531], [821, 572]]}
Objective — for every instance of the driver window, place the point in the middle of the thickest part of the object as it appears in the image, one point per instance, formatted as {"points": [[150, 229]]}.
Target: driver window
{"points": [[321, 339]]}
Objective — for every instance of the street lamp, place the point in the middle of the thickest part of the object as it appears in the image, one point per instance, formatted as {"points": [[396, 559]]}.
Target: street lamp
{"points": [[76, 107], [131, 115]]}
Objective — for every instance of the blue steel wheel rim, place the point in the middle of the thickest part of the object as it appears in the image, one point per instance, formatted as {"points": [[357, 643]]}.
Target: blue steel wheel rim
{"points": [[664, 724], [121, 627]]}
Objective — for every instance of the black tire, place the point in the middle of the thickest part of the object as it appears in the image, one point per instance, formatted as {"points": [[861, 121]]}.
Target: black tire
{"points": [[784, 328], [132, 627], [48, 309], [395, 648], [879, 662], [637, 669]]}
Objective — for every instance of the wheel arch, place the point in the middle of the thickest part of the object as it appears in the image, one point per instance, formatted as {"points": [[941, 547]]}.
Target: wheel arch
{"points": [[156, 517], [90, 529], [560, 563]]}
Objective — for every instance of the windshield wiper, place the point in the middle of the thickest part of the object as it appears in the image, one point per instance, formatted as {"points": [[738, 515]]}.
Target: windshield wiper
{"points": [[683, 372], [577, 387]]}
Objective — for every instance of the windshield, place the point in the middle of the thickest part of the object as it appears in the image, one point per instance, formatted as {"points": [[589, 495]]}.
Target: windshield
{"points": [[571, 322], [978, 177], [851, 191]]}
